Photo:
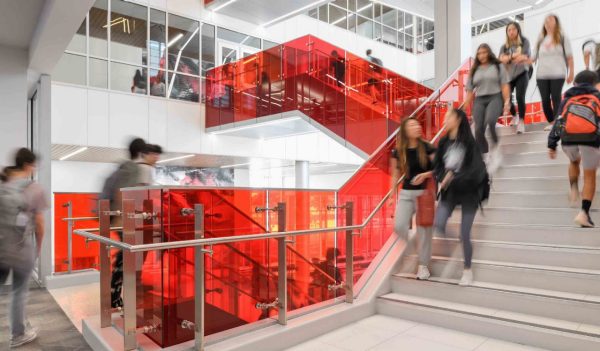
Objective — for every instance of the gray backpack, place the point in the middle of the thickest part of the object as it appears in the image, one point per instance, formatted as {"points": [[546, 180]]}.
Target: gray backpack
{"points": [[14, 218]]}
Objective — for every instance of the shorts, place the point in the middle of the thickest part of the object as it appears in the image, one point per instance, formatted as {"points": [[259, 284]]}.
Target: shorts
{"points": [[589, 155]]}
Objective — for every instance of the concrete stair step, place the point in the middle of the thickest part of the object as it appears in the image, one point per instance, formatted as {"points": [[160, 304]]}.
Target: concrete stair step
{"points": [[495, 323], [536, 157], [550, 169], [533, 136], [537, 302], [546, 184], [525, 215], [535, 199]]}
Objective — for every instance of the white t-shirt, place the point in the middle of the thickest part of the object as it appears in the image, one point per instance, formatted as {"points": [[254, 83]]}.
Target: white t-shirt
{"points": [[551, 61]]}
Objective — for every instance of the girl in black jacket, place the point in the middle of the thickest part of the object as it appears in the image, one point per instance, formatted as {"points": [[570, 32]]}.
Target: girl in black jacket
{"points": [[459, 167]]}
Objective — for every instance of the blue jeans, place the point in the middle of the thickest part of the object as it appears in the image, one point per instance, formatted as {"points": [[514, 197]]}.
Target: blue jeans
{"points": [[21, 269]]}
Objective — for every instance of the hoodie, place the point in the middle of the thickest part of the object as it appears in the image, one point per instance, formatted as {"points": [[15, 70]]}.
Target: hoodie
{"points": [[554, 135]]}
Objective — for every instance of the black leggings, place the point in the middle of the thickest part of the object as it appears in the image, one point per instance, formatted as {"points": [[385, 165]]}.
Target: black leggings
{"points": [[551, 94], [520, 84]]}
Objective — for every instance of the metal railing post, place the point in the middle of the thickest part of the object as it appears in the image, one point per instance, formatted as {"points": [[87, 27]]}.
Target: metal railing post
{"points": [[69, 206], [282, 265], [104, 263], [199, 279], [129, 277], [349, 254]]}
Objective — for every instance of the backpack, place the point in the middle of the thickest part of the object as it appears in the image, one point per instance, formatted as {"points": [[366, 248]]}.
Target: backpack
{"points": [[126, 175], [14, 218], [580, 119]]}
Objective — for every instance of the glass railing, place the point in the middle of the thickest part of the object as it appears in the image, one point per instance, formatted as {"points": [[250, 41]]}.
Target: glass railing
{"points": [[356, 100], [330, 239]]}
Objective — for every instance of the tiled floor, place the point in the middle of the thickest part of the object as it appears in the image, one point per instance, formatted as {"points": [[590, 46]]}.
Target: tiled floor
{"points": [[56, 331], [382, 333], [78, 302]]}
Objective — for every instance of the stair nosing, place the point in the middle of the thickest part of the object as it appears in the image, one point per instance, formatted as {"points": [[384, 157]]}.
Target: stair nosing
{"points": [[527, 244], [511, 289], [465, 311]]}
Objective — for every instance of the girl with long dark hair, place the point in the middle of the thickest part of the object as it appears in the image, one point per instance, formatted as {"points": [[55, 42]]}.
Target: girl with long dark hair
{"points": [[488, 87], [554, 58], [412, 158], [459, 167], [514, 54]]}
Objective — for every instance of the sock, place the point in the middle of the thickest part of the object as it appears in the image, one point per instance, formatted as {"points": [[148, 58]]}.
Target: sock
{"points": [[586, 205]]}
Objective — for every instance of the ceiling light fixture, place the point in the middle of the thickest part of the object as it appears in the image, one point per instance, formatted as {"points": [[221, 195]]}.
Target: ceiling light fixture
{"points": [[236, 165], [539, 2], [502, 15], [174, 40], [293, 13], [223, 5], [175, 158], [78, 151]]}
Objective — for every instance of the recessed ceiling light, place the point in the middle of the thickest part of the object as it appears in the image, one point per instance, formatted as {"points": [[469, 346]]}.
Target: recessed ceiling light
{"points": [[78, 151], [223, 5], [175, 158]]}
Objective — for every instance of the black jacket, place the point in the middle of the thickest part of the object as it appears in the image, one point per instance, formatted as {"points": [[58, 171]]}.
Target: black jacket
{"points": [[466, 186], [554, 135]]}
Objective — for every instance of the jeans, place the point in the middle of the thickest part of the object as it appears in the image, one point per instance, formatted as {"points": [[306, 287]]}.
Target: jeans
{"points": [[405, 209], [486, 110], [443, 213], [551, 94], [20, 286], [520, 84]]}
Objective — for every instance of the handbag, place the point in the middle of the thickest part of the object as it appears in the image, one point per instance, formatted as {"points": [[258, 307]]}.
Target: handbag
{"points": [[426, 204]]}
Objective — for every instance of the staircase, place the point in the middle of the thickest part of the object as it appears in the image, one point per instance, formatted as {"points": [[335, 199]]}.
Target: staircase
{"points": [[537, 276]]}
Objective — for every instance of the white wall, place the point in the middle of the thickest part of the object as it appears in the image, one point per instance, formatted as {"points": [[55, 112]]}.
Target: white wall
{"points": [[400, 61], [80, 176], [13, 101]]}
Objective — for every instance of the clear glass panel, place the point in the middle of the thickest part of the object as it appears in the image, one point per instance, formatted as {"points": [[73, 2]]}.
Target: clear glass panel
{"points": [[239, 38], [352, 5], [390, 36], [428, 41], [419, 26], [352, 22], [98, 73], [377, 31], [128, 32], [338, 16], [409, 26], [400, 20], [78, 43], [364, 27], [183, 45], [127, 78], [208, 48], [228, 55], [428, 26], [158, 83], [314, 13], [99, 29], [389, 17], [341, 3], [409, 43], [364, 8], [184, 87], [158, 39], [70, 69], [377, 13], [323, 13], [268, 44]]}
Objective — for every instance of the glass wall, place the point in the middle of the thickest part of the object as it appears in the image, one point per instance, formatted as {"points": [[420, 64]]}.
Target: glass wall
{"points": [[132, 48]]}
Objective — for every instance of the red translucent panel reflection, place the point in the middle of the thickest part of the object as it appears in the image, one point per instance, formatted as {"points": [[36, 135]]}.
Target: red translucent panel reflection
{"points": [[85, 256], [344, 93]]}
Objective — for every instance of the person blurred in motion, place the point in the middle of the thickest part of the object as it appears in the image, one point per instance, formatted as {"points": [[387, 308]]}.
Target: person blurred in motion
{"points": [[412, 158], [139, 83], [514, 54], [22, 204], [488, 89], [126, 175], [150, 157], [338, 66], [578, 130], [376, 69], [6, 173], [554, 58], [459, 167]]}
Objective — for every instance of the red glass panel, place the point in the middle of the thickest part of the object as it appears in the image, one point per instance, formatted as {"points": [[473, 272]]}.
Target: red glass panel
{"points": [[85, 256]]}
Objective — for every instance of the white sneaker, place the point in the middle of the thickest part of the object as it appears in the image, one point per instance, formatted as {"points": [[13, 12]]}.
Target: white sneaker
{"points": [[583, 220], [574, 196], [515, 121], [27, 337], [521, 127], [423, 273], [467, 278], [495, 160]]}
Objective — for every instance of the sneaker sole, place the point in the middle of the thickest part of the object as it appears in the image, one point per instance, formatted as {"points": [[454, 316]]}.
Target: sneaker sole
{"points": [[23, 342], [583, 224]]}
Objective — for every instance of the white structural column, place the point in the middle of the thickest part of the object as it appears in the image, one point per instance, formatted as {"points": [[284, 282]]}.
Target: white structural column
{"points": [[42, 146], [302, 174], [452, 36]]}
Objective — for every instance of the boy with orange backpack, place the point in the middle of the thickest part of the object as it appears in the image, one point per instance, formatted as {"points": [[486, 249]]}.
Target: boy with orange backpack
{"points": [[578, 129]]}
